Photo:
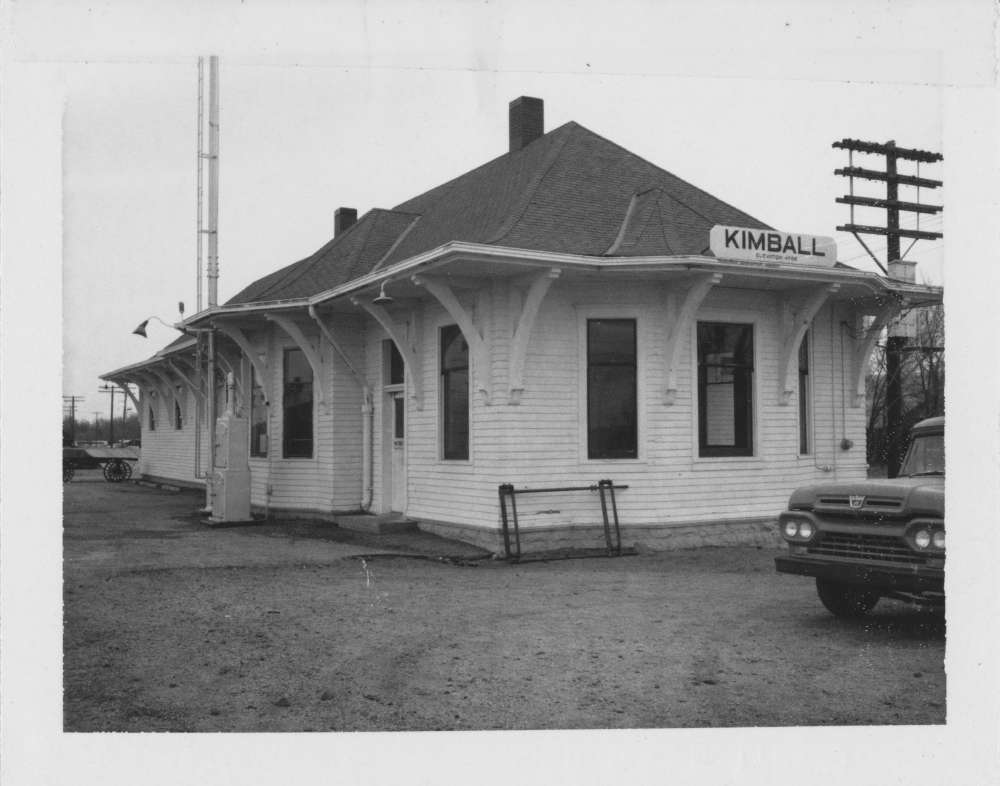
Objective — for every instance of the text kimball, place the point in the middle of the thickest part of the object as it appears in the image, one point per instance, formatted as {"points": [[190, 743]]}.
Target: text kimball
{"points": [[756, 245]]}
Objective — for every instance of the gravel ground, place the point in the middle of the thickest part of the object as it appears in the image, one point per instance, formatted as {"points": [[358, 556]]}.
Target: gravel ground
{"points": [[172, 626]]}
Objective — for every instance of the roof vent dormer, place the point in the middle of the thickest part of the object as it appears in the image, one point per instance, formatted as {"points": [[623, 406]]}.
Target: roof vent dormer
{"points": [[527, 121]]}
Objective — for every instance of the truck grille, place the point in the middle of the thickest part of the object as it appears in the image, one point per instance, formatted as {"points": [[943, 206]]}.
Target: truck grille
{"points": [[880, 548], [881, 504]]}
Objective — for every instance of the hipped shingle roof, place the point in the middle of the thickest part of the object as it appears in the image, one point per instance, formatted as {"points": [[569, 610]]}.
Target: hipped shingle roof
{"points": [[569, 191]]}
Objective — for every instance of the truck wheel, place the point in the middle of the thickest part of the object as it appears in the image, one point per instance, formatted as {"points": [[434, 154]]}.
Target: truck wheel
{"points": [[845, 600]]}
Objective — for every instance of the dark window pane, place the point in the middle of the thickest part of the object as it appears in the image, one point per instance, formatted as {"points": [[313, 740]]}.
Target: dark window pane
{"points": [[297, 404], [804, 394], [399, 415], [396, 366], [612, 419], [725, 389], [258, 417], [178, 418], [455, 393], [454, 349]]}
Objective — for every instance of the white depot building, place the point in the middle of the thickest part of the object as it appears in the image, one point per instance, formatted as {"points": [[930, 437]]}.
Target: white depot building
{"points": [[563, 314]]}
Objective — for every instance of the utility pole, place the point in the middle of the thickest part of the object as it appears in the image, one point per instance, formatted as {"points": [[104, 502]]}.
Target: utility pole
{"points": [[895, 266], [71, 400], [105, 388]]}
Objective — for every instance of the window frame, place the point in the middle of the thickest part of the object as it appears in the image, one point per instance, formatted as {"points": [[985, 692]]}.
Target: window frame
{"points": [[588, 311], [285, 352], [702, 450], [442, 396], [588, 448], [805, 396]]}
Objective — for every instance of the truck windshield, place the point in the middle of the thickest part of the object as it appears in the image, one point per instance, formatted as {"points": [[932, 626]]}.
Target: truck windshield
{"points": [[925, 456]]}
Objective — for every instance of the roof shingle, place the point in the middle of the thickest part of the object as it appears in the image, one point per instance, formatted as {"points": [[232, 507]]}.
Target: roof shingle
{"points": [[568, 191]]}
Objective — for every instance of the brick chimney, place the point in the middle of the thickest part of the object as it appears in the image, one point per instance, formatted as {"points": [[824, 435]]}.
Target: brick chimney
{"points": [[527, 121], [343, 219]]}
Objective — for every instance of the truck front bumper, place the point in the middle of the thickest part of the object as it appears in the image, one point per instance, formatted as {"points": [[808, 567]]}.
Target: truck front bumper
{"points": [[899, 579]]}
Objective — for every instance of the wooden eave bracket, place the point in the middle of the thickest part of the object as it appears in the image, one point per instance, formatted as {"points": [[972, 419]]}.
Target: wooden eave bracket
{"points": [[522, 334], [308, 349], [152, 384], [680, 317], [128, 392], [798, 311], [189, 367], [397, 335], [259, 367], [196, 390], [170, 384], [865, 346], [324, 329], [481, 368], [231, 366]]}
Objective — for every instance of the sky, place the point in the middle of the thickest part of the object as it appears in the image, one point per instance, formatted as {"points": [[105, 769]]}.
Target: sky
{"points": [[364, 103]]}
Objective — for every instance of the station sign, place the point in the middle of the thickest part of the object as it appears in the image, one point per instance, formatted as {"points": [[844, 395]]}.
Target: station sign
{"points": [[766, 245]]}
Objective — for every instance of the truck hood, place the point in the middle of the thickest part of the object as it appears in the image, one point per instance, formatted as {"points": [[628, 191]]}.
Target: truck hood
{"points": [[922, 495]]}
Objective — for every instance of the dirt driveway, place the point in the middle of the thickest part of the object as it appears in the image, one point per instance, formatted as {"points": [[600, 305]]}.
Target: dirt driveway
{"points": [[171, 626]]}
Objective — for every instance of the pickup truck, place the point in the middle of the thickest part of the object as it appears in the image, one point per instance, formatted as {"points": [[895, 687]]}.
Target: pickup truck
{"points": [[871, 539]]}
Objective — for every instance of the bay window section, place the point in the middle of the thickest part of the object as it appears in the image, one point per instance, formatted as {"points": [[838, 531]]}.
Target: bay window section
{"points": [[454, 393], [297, 406], [725, 389], [612, 407]]}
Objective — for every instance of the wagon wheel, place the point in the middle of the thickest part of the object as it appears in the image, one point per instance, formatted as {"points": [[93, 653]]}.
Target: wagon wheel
{"points": [[68, 473], [128, 469], [115, 471]]}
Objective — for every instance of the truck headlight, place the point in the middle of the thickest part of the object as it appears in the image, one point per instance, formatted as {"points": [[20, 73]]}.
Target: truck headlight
{"points": [[797, 529], [922, 538], [938, 539]]}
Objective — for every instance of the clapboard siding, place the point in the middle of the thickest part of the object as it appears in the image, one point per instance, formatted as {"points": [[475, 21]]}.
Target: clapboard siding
{"points": [[331, 479], [542, 440], [168, 452]]}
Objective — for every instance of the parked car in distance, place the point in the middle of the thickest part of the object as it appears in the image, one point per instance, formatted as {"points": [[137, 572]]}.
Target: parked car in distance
{"points": [[866, 540]]}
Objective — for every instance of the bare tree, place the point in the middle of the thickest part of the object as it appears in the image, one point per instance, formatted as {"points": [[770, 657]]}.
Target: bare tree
{"points": [[922, 371]]}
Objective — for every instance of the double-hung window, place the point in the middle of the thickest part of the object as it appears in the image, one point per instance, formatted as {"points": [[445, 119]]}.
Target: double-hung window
{"points": [[725, 389], [297, 406], [612, 408], [454, 393]]}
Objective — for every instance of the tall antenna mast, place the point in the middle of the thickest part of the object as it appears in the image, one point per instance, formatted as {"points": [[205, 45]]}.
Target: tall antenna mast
{"points": [[201, 156], [213, 181]]}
